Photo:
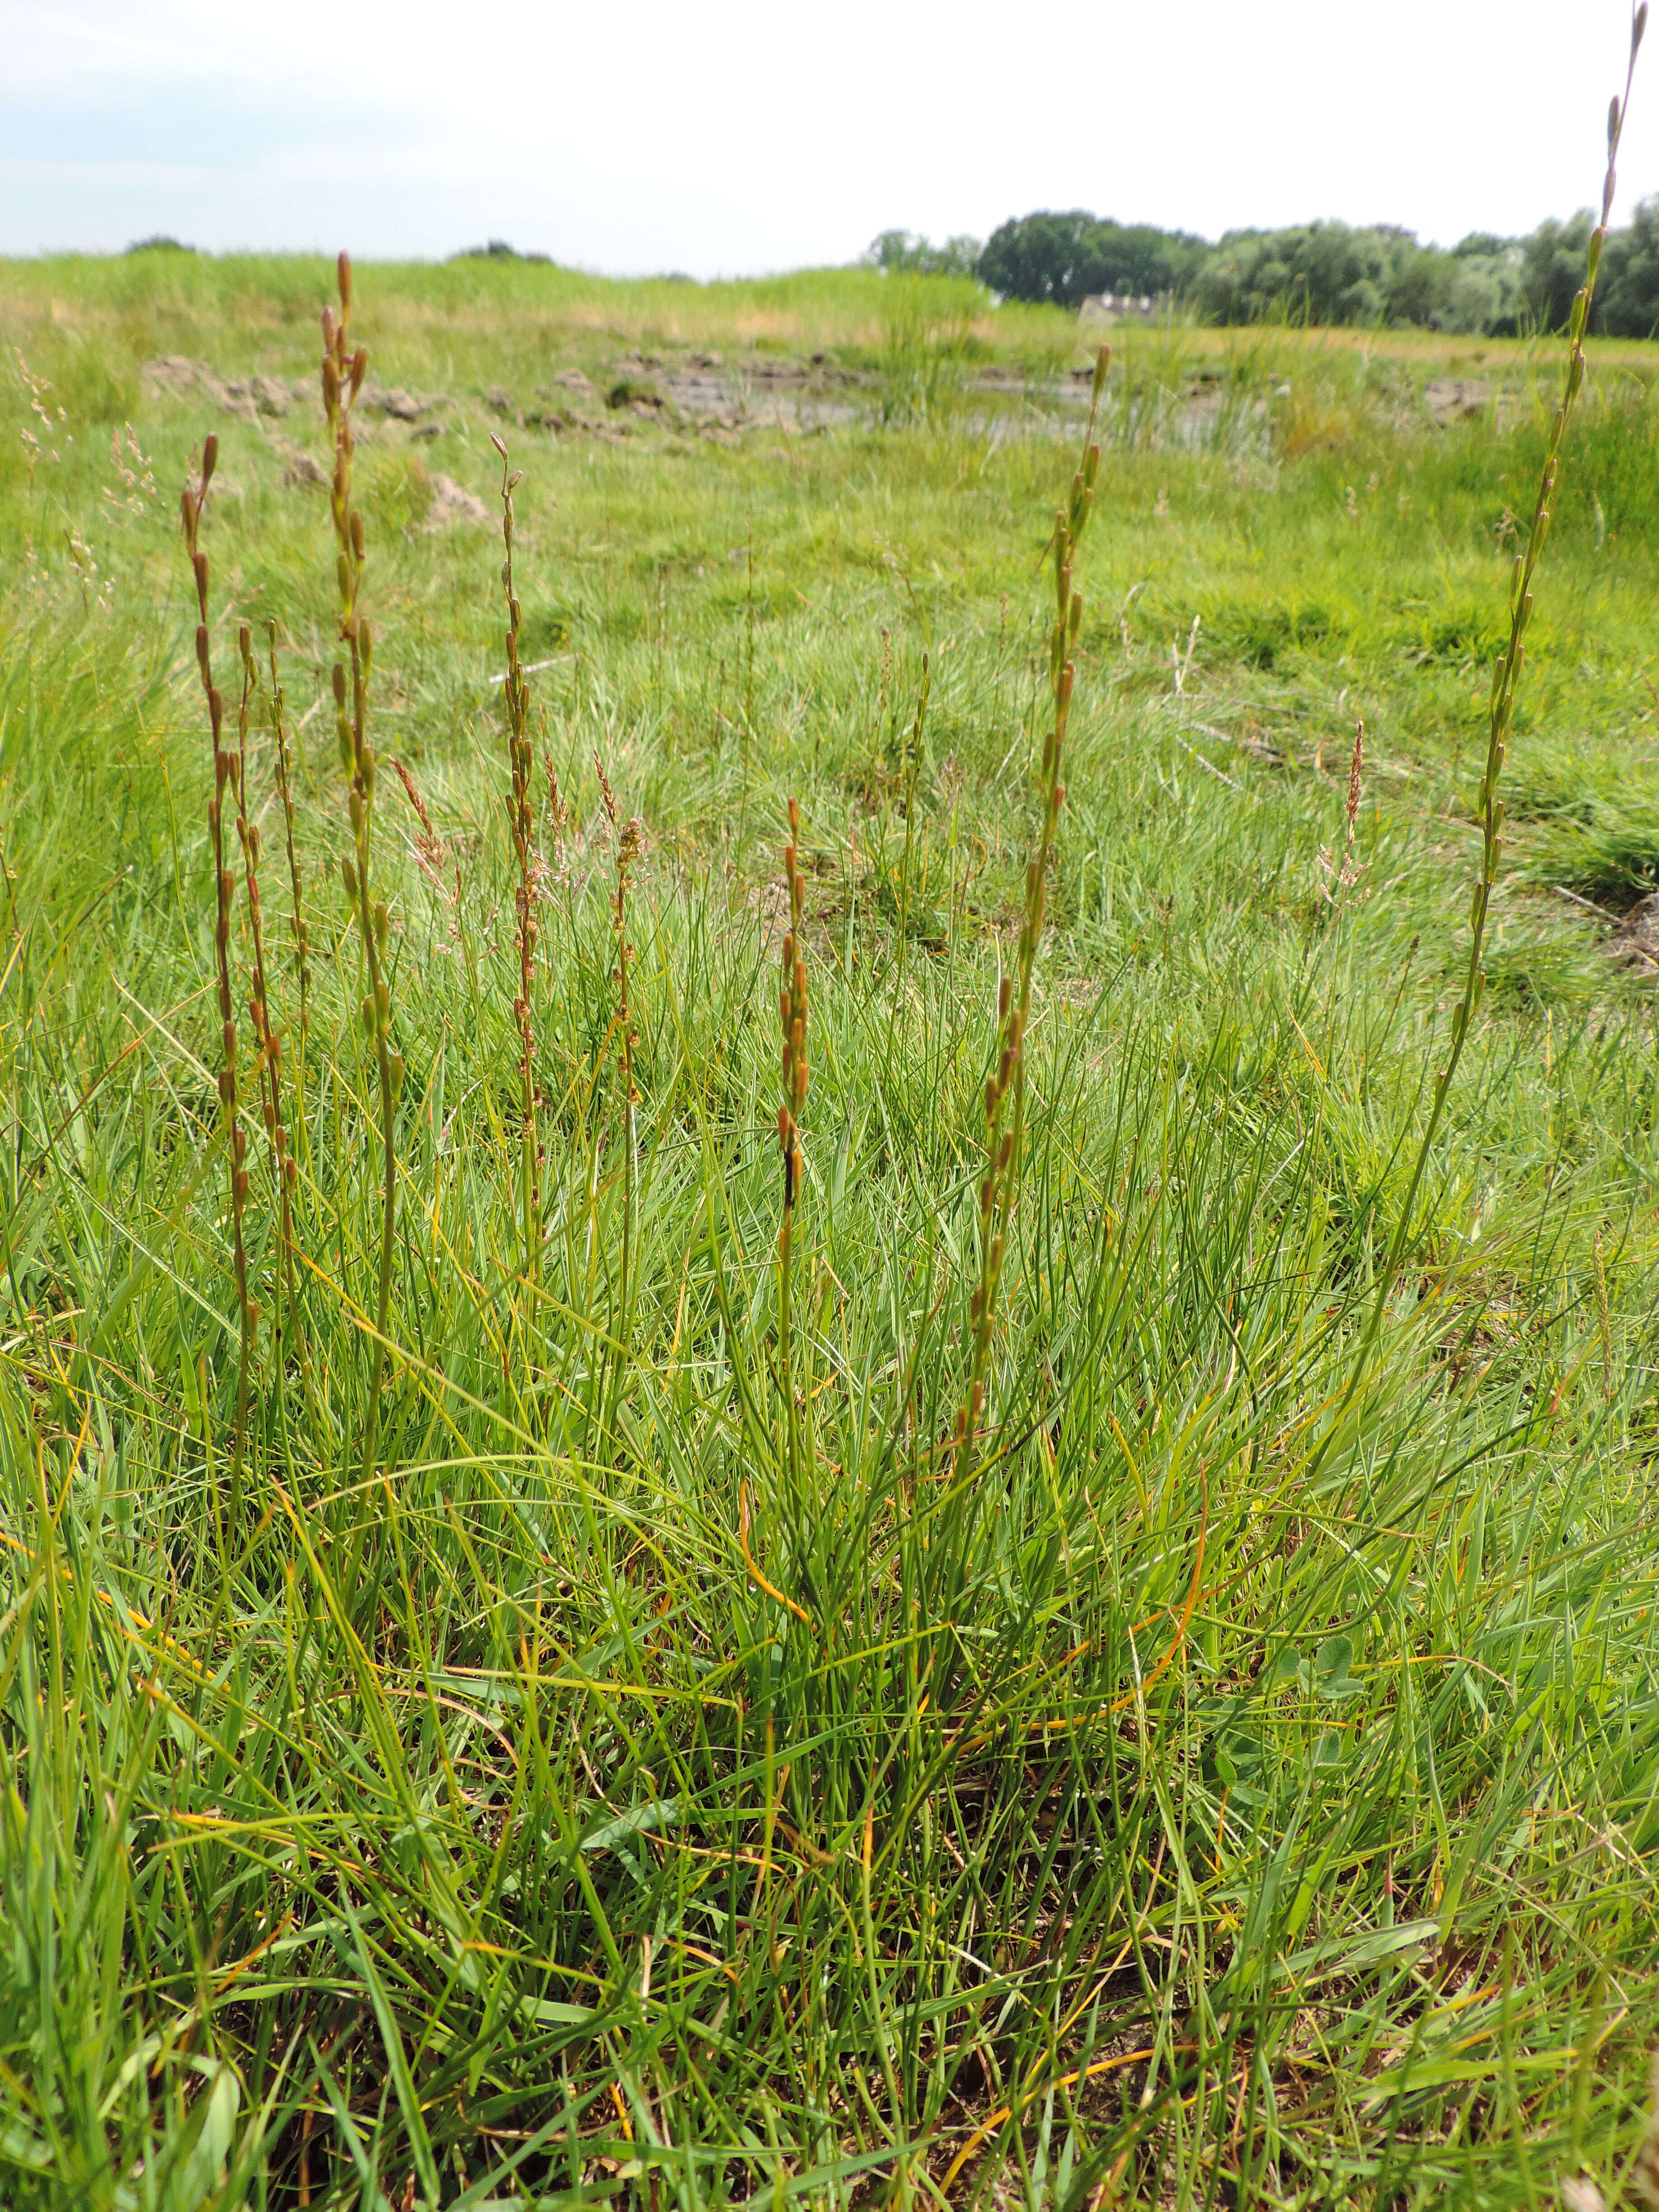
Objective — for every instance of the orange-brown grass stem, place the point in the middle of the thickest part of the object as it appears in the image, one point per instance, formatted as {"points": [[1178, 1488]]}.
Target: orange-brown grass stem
{"points": [[1005, 1089], [914, 752], [791, 1014], [521, 756], [343, 370], [296, 924], [225, 774], [267, 1036]]}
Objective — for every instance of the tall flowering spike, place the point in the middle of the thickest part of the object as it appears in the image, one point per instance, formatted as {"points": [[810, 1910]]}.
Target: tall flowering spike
{"points": [[521, 761], [791, 1010], [285, 792], [1500, 708], [1005, 1088], [791, 1100], [342, 372], [268, 1067], [630, 836], [192, 507]]}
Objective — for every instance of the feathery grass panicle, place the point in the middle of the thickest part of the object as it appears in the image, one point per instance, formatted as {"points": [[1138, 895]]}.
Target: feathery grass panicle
{"points": [[1355, 772], [343, 370], [1347, 874], [225, 775], [521, 759], [557, 812], [1005, 1088], [429, 853]]}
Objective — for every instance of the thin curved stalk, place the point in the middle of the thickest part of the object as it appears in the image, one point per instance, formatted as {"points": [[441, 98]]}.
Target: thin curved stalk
{"points": [[1500, 708]]}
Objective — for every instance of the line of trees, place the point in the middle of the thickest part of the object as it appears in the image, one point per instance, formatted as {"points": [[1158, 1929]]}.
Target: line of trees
{"points": [[1317, 272]]}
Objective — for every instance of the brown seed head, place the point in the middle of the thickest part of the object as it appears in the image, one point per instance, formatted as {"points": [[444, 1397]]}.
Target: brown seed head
{"points": [[607, 797]]}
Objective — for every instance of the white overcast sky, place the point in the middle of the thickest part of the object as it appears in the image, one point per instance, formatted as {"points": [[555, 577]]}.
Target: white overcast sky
{"points": [[752, 135]]}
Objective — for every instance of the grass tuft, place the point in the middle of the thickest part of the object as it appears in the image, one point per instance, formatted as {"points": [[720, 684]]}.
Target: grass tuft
{"points": [[1064, 1617]]}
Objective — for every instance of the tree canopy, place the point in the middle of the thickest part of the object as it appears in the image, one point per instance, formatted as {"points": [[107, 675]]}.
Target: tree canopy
{"points": [[1314, 272], [1070, 257]]}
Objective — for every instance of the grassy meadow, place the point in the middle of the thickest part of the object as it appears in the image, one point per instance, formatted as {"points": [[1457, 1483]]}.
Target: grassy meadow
{"points": [[643, 1754]]}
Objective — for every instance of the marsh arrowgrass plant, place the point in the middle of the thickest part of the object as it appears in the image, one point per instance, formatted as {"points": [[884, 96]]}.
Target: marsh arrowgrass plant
{"points": [[1500, 720], [226, 776], [603, 1801], [344, 371], [522, 763], [913, 755], [1005, 1088], [793, 1014], [268, 1067]]}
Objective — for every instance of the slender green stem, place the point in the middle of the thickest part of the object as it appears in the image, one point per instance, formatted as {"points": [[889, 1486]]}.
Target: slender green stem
{"points": [[1500, 710]]}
